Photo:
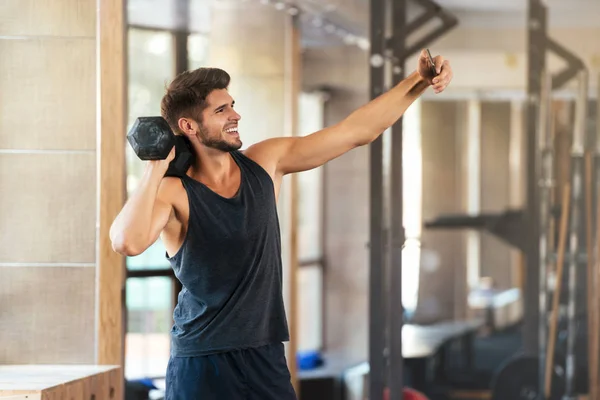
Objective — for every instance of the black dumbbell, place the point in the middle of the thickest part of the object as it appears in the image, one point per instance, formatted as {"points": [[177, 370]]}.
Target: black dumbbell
{"points": [[152, 139]]}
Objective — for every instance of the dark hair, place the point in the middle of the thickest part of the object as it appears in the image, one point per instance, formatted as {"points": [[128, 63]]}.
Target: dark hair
{"points": [[186, 95]]}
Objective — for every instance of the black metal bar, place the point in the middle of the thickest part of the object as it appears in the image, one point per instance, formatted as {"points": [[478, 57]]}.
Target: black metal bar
{"points": [[448, 22], [396, 310], [376, 260], [536, 28], [149, 273], [180, 40], [574, 63], [576, 245], [422, 19], [509, 226]]}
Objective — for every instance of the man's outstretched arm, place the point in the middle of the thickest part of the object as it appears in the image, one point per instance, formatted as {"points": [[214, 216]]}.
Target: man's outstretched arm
{"points": [[361, 127]]}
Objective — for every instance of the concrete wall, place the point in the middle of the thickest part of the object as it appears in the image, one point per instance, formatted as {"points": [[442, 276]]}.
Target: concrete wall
{"points": [[48, 181], [60, 283]]}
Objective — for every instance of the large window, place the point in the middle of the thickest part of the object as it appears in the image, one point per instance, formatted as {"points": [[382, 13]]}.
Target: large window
{"points": [[412, 172], [310, 229], [151, 287], [149, 299], [149, 320]]}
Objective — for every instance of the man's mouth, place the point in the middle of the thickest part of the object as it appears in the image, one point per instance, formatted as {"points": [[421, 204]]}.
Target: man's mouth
{"points": [[232, 131]]}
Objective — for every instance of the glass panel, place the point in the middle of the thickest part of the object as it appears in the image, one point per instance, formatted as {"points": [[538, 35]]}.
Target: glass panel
{"points": [[149, 320], [151, 66], [197, 51], [199, 17], [310, 195], [170, 14], [160, 14], [412, 173], [310, 307]]}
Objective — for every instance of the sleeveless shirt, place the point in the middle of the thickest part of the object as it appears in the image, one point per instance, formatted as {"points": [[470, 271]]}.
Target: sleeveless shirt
{"points": [[230, 268]]}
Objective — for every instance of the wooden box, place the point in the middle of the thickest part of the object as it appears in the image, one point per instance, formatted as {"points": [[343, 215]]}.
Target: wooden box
{"points": [[64, 382]]}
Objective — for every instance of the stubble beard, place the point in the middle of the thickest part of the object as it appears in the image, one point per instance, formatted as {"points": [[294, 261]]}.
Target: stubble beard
{"points": [[217, 143]]}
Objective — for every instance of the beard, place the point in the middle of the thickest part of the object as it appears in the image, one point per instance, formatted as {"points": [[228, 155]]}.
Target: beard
{"points": [[217, 143]]}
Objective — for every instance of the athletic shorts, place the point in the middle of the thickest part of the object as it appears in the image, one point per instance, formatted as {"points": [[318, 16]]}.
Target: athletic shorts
{"points": [[249, 374]]}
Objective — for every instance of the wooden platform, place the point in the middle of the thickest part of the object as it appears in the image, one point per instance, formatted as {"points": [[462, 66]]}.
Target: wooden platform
{"points": [[54, 382]]}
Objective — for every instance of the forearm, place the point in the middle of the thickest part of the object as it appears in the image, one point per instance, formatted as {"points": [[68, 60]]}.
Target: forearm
{"points": [[370, 120], [132, 226]]}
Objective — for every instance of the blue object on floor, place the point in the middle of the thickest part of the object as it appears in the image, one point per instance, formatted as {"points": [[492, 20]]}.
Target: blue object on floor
{"points": [[147, 382], [309, 360]]}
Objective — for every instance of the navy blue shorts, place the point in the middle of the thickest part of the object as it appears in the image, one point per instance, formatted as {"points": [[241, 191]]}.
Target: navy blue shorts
{"points": [[249, 374]]}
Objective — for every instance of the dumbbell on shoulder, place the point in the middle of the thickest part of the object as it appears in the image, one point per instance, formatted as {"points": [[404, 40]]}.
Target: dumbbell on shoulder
{"points": [[152, 139]]}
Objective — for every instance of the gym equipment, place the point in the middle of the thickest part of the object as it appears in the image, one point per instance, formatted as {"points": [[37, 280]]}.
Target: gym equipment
{"points": [[152, 139], [577, 215], [550, 350], [519, 379]]}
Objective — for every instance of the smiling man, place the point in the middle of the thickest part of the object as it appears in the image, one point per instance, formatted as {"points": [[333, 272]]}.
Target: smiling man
{"points": [[220, 229]]}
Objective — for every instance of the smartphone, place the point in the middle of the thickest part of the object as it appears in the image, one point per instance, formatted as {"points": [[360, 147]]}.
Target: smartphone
{"points": [[431, 62]]}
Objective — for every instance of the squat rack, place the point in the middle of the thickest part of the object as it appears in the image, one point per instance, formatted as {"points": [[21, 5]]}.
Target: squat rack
{"points": [[527, 229]]}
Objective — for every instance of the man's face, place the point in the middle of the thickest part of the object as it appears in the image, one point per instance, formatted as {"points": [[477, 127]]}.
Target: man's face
{"points": [[219, 127]]}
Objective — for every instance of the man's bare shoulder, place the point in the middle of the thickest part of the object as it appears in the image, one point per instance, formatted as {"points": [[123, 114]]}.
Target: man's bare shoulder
{"points": [[170, 189], [267, 153]]}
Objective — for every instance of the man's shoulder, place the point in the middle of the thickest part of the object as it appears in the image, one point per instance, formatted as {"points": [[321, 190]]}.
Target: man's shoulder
{"points": [[267, 153], [170, 189]]}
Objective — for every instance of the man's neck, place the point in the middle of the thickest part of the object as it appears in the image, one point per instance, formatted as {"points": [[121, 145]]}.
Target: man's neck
{"points": [[213, 166]]}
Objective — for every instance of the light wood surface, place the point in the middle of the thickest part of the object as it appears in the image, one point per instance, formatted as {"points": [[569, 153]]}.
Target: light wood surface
{"points": [[50, 382]]}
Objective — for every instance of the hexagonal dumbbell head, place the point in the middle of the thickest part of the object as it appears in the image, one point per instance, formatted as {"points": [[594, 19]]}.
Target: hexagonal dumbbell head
{"points": [[151, 138]]}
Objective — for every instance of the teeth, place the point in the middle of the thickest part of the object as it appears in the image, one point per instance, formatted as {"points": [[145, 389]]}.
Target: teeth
{"points": [[231, 130]]}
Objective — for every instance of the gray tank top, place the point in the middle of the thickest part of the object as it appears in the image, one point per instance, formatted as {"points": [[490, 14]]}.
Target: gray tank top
{"points": [[230, 268]]}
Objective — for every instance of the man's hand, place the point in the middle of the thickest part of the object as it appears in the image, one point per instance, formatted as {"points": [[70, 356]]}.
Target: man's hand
{"points": [[442, 68]]}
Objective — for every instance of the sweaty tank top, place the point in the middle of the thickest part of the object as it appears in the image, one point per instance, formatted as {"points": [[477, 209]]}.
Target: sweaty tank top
{"points": [[230, 268]]}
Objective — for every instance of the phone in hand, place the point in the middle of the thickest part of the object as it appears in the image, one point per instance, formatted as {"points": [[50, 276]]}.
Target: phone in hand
{"points": [[431, 62]]}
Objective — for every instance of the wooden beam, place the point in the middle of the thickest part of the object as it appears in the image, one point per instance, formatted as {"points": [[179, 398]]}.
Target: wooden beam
{"points": [[111, 176]]}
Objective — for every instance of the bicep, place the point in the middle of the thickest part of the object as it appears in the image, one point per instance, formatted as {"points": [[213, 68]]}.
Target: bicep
{"points": [[286, 155], [312, 151]]}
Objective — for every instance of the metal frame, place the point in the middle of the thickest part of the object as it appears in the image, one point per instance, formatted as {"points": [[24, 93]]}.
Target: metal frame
{"points": [[385, 351], [534, 337], [576, 245], [523, 228], [376, 259]]}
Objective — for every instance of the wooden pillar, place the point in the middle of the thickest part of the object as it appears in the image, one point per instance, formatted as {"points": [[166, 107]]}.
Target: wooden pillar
{"points": [[111, 177]]}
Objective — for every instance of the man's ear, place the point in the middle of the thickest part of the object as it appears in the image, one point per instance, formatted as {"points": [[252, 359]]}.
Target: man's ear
{"points": [[186, 125]]}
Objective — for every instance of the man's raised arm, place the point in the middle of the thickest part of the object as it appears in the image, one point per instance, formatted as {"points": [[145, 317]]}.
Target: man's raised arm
{"points": [[361, 127]]}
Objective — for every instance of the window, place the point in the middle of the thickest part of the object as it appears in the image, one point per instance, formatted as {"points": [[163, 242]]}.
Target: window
{"points": [[197, 50], [412, 171], [310, 192], [151, 287], [310, 242], [149, 299], [149, 319]]}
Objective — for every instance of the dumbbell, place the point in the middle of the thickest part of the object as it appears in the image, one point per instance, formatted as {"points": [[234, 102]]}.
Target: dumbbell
{"points": [[152, 139]]}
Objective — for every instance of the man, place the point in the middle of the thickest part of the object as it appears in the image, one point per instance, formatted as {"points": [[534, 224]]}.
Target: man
{"points": [[220, 229]]}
